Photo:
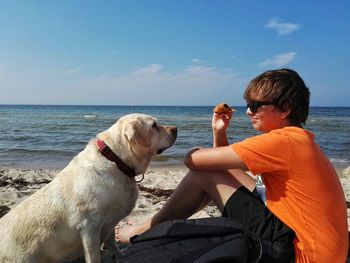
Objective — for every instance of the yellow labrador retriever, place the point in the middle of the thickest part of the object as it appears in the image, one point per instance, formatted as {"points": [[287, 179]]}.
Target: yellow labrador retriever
{"points": [[76, 212]]}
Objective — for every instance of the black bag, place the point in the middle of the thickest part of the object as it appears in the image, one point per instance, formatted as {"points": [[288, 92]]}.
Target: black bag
{"points": [[193, 240]]}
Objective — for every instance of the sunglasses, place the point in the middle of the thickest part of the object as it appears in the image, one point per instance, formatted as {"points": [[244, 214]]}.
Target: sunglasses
{"points": [[254, 105]]}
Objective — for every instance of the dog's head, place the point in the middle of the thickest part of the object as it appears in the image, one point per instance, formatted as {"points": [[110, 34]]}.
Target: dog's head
{"points": [[135, 138]]}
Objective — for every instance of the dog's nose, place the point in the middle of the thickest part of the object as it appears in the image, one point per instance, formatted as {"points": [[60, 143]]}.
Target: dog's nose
{"points": [[171, 130]]}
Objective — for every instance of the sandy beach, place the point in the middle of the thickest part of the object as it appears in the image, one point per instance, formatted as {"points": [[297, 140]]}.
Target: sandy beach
{"points": [[155, 188]]}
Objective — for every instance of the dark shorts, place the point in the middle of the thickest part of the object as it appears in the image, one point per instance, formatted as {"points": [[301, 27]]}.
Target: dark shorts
{"points": [[249, 210]]}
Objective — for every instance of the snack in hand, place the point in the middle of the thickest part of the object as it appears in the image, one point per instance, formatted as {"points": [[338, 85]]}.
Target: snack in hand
{"points": [[223, 108]]}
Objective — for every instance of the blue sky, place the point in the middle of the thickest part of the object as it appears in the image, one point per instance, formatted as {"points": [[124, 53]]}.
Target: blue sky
{"points": [[168, 52]]}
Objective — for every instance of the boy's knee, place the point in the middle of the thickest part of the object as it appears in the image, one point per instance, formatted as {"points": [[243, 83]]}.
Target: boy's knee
{"points": [[193, 176], [203, 179]]}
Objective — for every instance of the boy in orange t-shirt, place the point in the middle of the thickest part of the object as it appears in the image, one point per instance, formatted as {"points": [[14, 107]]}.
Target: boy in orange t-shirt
{"points": [[304, 218], [302, 190]]}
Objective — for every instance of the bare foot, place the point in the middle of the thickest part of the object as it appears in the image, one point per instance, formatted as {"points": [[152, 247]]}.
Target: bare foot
{"points": [[124, 233]]}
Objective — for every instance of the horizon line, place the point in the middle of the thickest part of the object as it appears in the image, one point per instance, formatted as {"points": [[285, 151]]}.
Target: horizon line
{"points": [[141, 105]]}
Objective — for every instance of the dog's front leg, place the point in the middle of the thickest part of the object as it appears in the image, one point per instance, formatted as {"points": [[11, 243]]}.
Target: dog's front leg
{"points": [[90, 237]]}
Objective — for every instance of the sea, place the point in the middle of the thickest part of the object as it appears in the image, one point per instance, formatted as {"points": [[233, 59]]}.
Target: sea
{"points": [[49, 136]]}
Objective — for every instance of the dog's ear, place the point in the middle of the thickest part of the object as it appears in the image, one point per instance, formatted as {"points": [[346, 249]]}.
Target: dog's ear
{"points": [[137, 134]]}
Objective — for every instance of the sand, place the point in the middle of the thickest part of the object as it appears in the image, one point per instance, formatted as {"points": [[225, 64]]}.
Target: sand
{"points": [[155, 188]]}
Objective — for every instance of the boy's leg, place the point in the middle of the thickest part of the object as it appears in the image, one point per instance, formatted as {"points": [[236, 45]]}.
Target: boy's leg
{"points": [[193, 193], [197, 188], [247, 208]]}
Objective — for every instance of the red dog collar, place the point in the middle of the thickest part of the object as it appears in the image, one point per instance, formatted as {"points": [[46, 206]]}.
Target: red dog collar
{"points": [[110, 155]]}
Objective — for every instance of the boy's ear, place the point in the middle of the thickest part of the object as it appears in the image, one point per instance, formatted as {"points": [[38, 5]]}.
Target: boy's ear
{"points": [[285, 110], [285, 114]]}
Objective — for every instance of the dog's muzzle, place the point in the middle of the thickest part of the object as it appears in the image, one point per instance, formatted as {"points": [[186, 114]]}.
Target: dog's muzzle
{"points": [[173, 133]]}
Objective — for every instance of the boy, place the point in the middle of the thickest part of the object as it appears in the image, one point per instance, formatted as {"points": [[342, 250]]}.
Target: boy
{"points": [[304, 218]]}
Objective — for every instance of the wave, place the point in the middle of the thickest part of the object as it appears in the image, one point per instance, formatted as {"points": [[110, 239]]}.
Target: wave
{"points": [[30, 152], [339, 161], [90, 116]]}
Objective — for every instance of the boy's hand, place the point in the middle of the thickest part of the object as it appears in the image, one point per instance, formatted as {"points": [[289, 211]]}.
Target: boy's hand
{"points": [[220, 122]]}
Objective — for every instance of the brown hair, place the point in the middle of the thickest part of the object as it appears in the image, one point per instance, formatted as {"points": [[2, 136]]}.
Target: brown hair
{"points": [[286, 89]]}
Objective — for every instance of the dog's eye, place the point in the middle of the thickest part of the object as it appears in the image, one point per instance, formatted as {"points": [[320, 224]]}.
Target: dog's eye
{"points": [[155, 126]]}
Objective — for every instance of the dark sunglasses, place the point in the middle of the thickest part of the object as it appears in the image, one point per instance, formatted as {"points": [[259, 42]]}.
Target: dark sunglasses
{"points": [[254, 105]]}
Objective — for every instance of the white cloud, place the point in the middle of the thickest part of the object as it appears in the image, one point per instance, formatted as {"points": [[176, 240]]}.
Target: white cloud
{"points": [[195, 85], [150, 70], [151, 85], [278, 60], [282, 28], [197, 61]]}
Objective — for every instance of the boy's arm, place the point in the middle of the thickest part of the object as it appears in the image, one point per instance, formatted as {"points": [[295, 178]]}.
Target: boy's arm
{"points": [[220, 123], [211, 159], [221, 156]]}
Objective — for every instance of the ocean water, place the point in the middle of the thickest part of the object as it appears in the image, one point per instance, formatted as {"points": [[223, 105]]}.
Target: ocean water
{"points": [[40, 136]]}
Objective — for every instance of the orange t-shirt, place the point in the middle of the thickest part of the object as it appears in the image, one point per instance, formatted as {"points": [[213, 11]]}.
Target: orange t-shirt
{"points": [[302, 189]]}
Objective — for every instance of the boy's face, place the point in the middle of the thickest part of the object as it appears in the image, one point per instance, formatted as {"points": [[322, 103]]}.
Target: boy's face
{"points": [[267, 118]]}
